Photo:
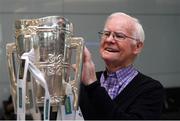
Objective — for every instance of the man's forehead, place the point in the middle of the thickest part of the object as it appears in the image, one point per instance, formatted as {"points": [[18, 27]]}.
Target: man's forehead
{"points": [[119, 23]]}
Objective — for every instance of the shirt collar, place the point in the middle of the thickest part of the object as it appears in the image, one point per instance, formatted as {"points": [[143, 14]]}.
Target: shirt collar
{"points": [[122, 73]]}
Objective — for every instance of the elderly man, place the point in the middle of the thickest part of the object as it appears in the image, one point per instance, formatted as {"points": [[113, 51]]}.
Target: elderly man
{"points": [[120, 91]]}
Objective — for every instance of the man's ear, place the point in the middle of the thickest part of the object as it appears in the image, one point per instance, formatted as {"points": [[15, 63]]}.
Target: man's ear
{"points": [[138, 47]]}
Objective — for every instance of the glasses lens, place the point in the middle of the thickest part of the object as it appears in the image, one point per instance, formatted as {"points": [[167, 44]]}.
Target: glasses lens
{"points": [[116, 35], [104, 34], [119, 36]]}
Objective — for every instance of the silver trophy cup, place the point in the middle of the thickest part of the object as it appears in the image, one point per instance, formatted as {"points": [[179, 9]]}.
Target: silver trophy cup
{"points": [[49, 46]]}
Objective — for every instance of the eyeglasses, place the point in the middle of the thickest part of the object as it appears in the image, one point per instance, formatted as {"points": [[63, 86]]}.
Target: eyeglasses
{"points": [[118, 36]]}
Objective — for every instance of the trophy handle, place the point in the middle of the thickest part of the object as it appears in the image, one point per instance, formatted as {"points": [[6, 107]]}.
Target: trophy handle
{"points": [[10, 49], [78, 44]]}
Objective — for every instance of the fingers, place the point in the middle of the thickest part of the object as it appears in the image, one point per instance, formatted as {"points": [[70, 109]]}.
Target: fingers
{"points": [[88, 73], [86, 58], [74, 67], [87, 54], [88, 69]]}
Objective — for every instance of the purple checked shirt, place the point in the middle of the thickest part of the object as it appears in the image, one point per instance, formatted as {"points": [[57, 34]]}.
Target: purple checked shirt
{"points": [[115, 82]]}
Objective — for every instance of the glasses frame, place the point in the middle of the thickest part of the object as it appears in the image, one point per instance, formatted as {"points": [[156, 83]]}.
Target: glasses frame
{"points": [[114, 34]]}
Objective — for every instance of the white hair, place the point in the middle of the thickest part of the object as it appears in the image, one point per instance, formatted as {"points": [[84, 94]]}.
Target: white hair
{"points": [[138, 29]]}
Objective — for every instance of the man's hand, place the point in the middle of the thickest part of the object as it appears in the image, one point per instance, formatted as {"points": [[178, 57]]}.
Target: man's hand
{"points": [[88, 71]]}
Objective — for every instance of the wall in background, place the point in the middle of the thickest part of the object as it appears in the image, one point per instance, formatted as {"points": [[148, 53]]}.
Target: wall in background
{"points": [[160, 18]]}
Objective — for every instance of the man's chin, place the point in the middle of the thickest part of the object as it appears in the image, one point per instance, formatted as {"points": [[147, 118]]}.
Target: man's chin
{"points": [[108, 59], [109, 56]]}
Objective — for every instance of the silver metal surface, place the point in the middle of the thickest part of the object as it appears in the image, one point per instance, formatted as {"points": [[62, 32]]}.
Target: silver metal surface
{"points": [[51, 39]]}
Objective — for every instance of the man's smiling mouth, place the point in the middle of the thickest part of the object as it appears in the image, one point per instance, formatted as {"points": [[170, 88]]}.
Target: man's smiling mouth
{"points": [[111, 49]]}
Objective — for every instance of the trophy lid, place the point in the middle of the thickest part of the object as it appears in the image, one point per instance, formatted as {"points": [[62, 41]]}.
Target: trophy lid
{"points": [[49, 21]]}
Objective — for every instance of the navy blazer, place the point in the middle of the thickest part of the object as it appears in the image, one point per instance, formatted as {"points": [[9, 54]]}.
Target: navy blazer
{"points": [[142, 98]]}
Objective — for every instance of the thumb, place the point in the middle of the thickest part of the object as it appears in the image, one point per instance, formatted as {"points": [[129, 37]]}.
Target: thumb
{"points": [[87, 54], [74, 67]]}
